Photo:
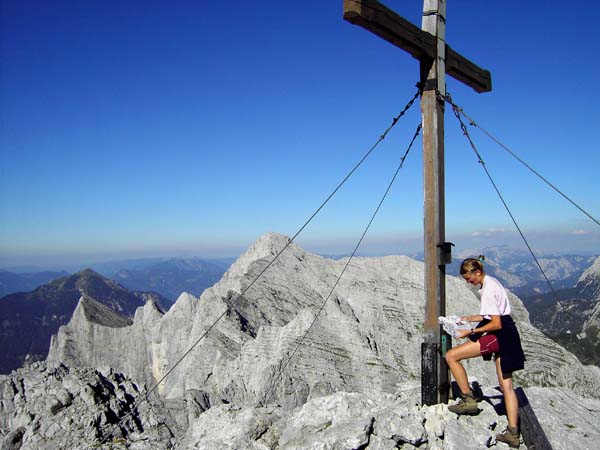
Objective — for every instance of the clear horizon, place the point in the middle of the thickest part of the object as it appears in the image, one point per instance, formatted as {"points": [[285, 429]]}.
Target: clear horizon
{"points": [[136, 130]]}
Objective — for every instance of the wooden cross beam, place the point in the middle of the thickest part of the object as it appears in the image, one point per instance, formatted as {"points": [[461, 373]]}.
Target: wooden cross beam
{"points": [[395, 29], [428, 45]]}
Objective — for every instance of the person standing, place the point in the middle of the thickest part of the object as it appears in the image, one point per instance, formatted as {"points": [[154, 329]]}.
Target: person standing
{"points": [[495, 334]]}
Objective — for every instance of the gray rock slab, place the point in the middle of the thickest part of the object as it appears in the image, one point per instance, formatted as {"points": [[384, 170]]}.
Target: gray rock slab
{"points": [[56, 407], [367, 337], [350, 378], [571, 422], [232, 427]]}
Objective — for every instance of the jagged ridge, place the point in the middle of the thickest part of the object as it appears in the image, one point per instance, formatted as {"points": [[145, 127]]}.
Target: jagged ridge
{"points": [[367, 338]]}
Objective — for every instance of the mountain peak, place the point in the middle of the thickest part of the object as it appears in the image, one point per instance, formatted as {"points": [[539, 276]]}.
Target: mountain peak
{"points": [[96, 312], [269, 244], [266, 247], [88, 272], [83, 278], [352, 347], [592, 271], [34, 316]]}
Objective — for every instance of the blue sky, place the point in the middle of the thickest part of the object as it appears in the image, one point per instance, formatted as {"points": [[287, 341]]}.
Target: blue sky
{"points": [[152, 128]]}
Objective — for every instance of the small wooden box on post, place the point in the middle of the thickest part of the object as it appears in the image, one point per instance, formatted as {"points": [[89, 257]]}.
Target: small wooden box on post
{"points": [[436, 58]]}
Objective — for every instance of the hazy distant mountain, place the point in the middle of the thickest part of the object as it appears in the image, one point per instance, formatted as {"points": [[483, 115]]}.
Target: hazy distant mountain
{"points": [[24, 282], [109, 268], [27, 320], [517, 270], [172, 277], [574, 320]]}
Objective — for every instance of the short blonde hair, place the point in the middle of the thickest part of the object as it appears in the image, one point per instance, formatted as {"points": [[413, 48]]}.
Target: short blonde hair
{"points": [[472, 264]]}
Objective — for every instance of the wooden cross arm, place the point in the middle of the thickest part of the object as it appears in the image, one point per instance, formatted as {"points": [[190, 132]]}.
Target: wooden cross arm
{"points": [[385, 23]]}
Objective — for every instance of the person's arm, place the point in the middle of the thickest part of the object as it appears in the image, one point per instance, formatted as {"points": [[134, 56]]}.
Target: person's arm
{"points": [[494, 325], [472, 318]]}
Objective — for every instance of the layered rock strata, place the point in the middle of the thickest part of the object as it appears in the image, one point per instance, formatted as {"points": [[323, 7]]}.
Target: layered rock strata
{"points": [[268, 348], [57, 407]]}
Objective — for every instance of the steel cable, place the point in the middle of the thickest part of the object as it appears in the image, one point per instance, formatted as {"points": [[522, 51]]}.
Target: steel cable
{"points": [[280, 373], [510, 152], [456, 111], [290, 241]]}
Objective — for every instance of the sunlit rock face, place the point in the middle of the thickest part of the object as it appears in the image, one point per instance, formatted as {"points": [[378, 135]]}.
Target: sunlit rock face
{"points": [[362, 336], [29, 319], [300, 361], [58, 407], [359, 421]]}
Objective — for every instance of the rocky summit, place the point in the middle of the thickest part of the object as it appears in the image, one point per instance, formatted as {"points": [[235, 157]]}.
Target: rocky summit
{"points": [[29, 319], [55, 407], [300, 361]]}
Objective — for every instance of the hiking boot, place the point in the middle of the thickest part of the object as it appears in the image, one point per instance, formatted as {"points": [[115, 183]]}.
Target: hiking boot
{"points": [[466, 405], [510, 436]]}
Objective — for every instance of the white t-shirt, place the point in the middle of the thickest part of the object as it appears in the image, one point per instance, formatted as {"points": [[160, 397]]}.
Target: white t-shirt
{"points": [[494, 300]]}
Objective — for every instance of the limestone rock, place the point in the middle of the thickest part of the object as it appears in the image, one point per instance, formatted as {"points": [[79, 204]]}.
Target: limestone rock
{"points": [[366, 337], [355, 421], [341, 420], [29, 319], [56, 407], [569, 421], [328, 368]]}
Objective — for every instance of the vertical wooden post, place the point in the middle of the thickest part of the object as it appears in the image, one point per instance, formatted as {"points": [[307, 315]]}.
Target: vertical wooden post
{"points": [[434, 374], [428, 45]]}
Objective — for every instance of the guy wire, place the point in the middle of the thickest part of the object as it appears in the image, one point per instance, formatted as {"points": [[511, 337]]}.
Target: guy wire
{"points": [[509, 151], [290, 241], [280, 373], [482, 162]]}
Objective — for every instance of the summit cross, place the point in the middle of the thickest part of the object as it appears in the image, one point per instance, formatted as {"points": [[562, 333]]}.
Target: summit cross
{"points": [[427, 44]]}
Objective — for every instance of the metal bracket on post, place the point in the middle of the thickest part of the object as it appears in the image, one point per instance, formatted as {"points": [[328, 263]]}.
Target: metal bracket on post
{"points": [[445, 254], [446, 343], [436, 58], [430, 85]]}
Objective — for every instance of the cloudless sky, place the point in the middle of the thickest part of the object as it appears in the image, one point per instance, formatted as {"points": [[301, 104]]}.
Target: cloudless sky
{"points": [[143, 128]]}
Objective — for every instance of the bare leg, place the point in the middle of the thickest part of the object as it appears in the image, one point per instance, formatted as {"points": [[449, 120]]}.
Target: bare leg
{"points": [[454, 356], [510, 397], [499, 373]]}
